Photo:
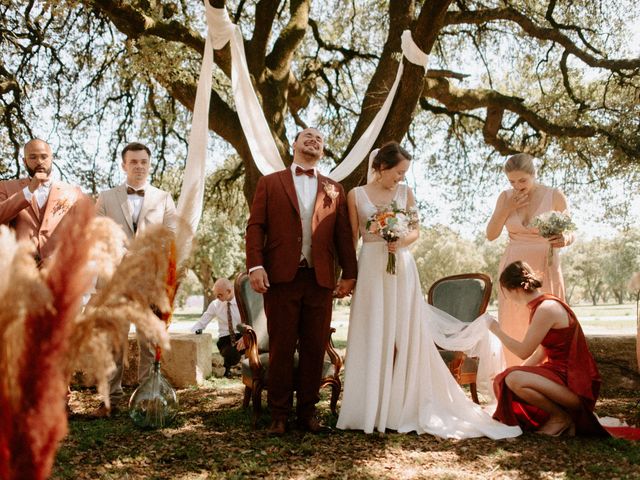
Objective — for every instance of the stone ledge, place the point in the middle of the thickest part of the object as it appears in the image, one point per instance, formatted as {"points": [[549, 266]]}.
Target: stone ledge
{"points": [[187, 364]]}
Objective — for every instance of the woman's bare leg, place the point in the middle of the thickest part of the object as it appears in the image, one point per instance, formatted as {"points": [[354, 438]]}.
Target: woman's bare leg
{"points": [[552, 397]]}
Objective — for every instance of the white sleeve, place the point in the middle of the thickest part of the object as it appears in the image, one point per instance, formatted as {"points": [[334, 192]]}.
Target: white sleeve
{"points": [[206, 317]]}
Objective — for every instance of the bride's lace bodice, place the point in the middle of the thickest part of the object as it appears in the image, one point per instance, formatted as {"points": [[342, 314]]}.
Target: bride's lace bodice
{"points": [[366, 208]]}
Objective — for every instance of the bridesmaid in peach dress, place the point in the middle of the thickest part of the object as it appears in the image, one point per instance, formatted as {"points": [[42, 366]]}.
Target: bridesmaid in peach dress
{"points": [[515, 209]]}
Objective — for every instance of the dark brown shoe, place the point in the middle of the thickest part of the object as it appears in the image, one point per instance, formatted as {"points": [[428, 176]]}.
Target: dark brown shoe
{"points": [[277, 428], [104, 412], [312, 425]]}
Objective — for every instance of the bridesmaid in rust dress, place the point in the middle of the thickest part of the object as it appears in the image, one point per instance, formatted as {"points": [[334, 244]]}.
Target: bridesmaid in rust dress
{"points": [[555, 390], [515, 209]]}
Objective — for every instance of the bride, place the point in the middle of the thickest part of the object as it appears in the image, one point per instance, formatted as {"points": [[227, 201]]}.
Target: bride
{"points": [[394, 377]]}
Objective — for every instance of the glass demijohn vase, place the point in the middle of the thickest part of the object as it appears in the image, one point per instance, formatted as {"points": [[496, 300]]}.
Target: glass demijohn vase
{"points": [[154, 403]]}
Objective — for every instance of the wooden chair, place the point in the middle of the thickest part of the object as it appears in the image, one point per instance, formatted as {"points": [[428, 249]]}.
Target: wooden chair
{"points": [[464, 297], [255, 364]]}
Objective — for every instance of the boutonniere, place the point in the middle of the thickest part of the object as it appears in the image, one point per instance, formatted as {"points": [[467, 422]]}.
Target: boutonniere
{"points": [[62, 205], [330, 190]]}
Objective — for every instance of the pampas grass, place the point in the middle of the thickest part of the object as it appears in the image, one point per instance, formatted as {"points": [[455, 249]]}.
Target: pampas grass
{"points": [[43, 330], [139, 281], [40, 308]]}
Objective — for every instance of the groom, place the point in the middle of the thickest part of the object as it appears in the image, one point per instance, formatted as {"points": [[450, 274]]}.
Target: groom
{"points": [[298, 224]]}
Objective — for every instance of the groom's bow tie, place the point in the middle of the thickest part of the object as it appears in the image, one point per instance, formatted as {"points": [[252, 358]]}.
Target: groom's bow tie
{"points": [[133, 191], [301, 171]]}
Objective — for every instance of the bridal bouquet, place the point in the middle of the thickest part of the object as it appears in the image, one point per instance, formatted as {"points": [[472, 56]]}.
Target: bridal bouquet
{"points": [[553, 223], [392, 223]]}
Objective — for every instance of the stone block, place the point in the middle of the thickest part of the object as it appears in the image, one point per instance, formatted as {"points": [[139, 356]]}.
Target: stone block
{"points": [[188, 362]]}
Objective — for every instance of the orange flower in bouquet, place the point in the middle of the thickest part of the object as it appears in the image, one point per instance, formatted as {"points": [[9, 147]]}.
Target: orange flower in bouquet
{"points": [[392, 223]]}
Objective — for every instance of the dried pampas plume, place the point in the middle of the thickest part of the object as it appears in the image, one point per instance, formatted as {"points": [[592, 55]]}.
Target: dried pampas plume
{"points": [[127, 296], [41, 307], [43, 332]]}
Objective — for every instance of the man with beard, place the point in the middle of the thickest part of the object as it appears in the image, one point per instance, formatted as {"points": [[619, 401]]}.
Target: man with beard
{"points": [[35, 206]]}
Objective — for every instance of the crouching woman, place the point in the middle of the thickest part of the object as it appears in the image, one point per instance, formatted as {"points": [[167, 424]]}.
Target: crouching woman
{"points": [[555, 390]]}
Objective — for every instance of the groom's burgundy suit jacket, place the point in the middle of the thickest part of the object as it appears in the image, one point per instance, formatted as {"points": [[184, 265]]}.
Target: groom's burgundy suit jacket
{"points": [[274, 230]]}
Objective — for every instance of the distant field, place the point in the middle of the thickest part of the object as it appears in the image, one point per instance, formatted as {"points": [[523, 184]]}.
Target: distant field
{"points": [[603, 319], [598, 320]]}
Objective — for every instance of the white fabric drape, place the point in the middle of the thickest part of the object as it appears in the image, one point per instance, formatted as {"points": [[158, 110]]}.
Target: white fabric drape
{"points": [[220, 31], [254, 125], [192, 191], [474, 339]]}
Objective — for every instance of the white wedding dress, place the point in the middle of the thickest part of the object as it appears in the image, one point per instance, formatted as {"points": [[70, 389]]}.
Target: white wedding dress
{"points": [[394, 376]]}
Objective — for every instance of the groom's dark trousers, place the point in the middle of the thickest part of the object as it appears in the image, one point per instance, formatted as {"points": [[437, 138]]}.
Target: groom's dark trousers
{"points": [[298, 313]]}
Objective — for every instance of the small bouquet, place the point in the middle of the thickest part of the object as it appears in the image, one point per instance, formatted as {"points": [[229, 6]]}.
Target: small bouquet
{"points": [[392, 223], [553, 223]]}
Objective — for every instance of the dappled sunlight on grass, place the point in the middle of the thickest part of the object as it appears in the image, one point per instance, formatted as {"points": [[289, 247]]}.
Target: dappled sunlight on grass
{"points": [[212, 438]]}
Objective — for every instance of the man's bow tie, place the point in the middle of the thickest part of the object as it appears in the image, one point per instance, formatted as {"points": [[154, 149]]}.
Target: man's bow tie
{"points": [[133, 191], [301, 171]]}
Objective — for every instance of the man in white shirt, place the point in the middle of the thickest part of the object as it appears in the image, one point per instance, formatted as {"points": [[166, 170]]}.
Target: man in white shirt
{"points": [[35, 206], [225, 309], [134, 205], [297, 232]]}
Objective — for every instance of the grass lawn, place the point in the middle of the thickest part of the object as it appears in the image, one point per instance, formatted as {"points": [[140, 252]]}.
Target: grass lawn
{"points": [[212, 438]]}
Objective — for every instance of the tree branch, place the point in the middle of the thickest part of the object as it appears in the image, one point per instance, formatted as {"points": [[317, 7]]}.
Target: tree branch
{"points": [[460, 100], [134, 24], [266, 11], [479, 17], [280, 57]]}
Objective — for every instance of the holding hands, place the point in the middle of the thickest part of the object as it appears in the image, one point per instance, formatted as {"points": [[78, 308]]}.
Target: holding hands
{"points": [[344, 287]]}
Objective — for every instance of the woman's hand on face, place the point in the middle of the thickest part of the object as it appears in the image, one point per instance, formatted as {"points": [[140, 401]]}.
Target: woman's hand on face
{"points": [[558, 241], [517, 200]]}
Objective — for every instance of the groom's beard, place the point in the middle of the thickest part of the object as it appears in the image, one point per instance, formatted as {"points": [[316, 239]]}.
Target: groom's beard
{"points": [[32, 171]]}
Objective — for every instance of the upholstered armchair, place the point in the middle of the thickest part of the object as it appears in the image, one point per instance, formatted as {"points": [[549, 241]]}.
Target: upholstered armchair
{"points": [[255, 364], [464, 297]]}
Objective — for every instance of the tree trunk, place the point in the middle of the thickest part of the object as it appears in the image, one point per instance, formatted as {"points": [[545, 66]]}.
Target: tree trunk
{"points": [[208, 298], [569, 293]]}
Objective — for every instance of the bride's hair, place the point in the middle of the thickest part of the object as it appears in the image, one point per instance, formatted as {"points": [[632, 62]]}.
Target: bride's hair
{"points": [[519, 275], [389, 155], [520, 162]]}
